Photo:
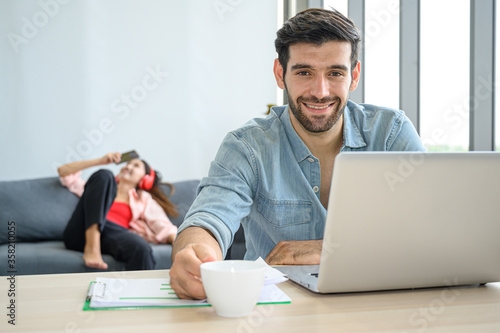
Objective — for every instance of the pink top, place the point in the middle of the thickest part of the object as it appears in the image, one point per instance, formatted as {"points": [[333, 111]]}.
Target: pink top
{"points": [[148, 218]]}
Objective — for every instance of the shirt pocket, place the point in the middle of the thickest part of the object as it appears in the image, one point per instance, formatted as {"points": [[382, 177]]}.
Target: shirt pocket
{"points": [[285, 219]]}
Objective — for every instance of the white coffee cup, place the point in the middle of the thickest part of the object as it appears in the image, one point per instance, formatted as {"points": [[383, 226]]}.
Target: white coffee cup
{"points": [[233, 287]]}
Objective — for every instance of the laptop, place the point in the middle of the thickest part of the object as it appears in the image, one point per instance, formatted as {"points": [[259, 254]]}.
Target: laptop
{"points": [[404, 220]]}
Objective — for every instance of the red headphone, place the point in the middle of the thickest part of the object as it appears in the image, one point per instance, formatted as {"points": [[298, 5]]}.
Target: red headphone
{"points": [[147, 181]]}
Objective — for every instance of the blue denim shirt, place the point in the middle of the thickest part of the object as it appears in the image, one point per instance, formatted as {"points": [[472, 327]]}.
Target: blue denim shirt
{"points": [[263, 177]]}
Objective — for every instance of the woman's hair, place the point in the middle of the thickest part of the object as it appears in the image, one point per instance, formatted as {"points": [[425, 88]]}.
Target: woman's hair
{"points": [[317, 26], [160, 197]]}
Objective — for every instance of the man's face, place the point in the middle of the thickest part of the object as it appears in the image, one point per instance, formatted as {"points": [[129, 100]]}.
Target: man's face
{"points": [[318, 80]]}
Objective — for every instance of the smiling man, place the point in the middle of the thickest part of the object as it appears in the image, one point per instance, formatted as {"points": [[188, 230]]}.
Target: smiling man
{"points": [[273, 175]]}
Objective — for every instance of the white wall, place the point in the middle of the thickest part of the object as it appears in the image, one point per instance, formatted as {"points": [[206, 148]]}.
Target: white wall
{"points": [[168, 78]]}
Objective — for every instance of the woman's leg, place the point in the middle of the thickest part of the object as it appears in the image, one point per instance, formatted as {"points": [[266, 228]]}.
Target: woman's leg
{"points": [[83, 232], [92, 255], [127, 247]]}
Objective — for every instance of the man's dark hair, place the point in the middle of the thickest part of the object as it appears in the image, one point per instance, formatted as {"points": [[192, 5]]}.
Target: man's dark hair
{"points": [[317, 26]]}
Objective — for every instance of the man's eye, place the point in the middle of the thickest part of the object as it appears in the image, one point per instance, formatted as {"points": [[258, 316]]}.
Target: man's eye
{"points": [[303, 73], [336, 74]]}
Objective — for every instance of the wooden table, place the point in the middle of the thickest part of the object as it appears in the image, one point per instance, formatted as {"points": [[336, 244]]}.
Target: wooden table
{"points": [[53, 303]]}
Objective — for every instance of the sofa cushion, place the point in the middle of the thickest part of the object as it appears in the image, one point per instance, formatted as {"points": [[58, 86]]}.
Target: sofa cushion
{"points": [[40, 209], [52, 257]]}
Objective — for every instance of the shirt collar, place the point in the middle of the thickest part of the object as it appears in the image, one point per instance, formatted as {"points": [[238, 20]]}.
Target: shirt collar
{"points": [[299, 148], [352, 135]]}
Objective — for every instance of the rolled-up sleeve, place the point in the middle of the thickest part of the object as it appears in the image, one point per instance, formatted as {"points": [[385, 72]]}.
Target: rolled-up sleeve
{"points": [[225, 197]]}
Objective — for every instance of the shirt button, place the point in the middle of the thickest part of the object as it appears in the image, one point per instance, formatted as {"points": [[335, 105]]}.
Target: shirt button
{"points": [[310, 159], [316, 189]]}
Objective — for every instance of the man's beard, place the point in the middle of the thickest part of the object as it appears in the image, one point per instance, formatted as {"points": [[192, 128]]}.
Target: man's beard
{"points": [[318, 123]]}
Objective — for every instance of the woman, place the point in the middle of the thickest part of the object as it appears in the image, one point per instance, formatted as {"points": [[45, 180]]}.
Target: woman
{"points": [[117, 215]]}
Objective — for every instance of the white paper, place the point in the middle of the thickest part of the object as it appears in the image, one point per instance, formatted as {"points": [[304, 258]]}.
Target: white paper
{"points": [[272, 294], [273, 276]]}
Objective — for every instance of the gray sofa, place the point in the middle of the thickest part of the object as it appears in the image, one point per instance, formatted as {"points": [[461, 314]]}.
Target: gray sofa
{"points": [[34, 213]]}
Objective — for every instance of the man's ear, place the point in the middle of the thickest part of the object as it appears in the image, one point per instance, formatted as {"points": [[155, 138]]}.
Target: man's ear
{"points": [[356, 74], [278, 74]]}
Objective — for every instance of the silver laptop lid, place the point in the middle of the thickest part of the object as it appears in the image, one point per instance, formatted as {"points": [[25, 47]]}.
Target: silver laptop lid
{"points": [[410, 220]]}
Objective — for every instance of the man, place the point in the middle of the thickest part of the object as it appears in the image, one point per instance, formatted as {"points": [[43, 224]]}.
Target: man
{"points": [[273, 175]]}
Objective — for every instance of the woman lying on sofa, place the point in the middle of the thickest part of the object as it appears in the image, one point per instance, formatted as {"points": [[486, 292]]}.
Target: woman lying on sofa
{"points": [[117, 215]]}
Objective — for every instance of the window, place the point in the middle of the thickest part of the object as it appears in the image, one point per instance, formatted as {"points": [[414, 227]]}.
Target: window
{"points": [[444, 74], [381, 43]]}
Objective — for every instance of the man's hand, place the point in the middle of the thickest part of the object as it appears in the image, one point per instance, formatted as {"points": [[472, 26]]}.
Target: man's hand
{"points": [[192, 247], [296, 253], [185, 274]]}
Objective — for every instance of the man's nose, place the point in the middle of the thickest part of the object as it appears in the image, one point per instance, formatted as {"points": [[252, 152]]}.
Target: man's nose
{"points": [[320, 87]]}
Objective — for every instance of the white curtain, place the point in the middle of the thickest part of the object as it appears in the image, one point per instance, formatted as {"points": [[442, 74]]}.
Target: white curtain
{"points": [[167, 78]]}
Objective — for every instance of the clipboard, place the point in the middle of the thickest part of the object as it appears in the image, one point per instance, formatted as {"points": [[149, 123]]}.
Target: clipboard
{"points": [[94, 292], [115, 294]]}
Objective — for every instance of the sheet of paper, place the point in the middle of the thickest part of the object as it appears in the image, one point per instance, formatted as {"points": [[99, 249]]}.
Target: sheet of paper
{"points": [[273, 276], [272, 294]]}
